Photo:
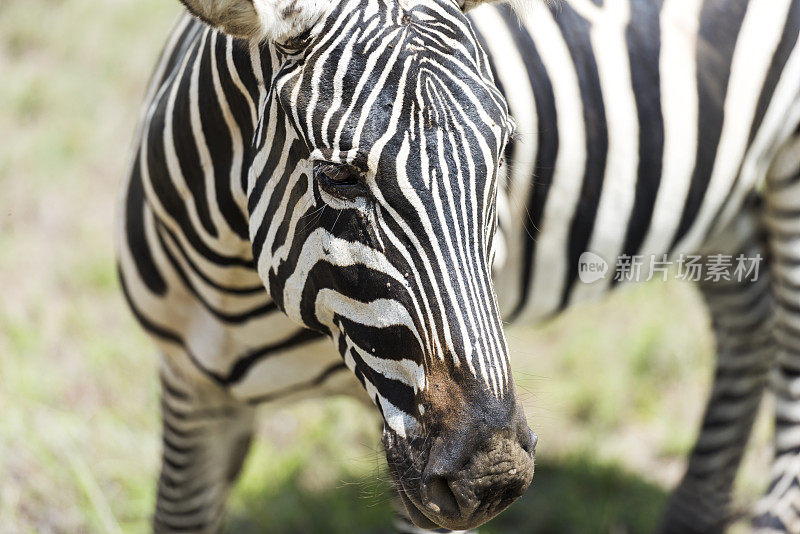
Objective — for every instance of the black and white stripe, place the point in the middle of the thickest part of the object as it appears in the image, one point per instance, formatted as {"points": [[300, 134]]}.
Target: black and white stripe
{"points": [[642, 127]]}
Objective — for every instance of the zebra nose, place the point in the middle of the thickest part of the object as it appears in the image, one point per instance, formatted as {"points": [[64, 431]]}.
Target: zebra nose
{"points": [[461, 489]]}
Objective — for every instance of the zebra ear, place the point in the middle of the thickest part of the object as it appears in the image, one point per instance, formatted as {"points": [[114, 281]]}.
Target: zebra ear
{"points": [[275, 20]]}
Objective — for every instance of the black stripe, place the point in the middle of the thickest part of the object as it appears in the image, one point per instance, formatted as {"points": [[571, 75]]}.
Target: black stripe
{"points": [[297, 152], [165, 190], [170, 447], [136, 236], [244, 290], [779, 59], [547, 150], [276, 148], [238, 104], [720, 23], [182, 44], [245, 363], [293, 390], [232, 318], [163, 333], [576, 34], [643, 37], [400, 394], [183, 138], [218, 138], [788, 41]]}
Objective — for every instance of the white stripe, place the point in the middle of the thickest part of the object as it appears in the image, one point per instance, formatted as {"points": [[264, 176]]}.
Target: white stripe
{"points": [[404, 370], [373, 157], [510, 71], [380, 313], [224, 233], [608, 37], [680, 20], [758, 38], [322, 246], [780, 120], [551, 248], [237, 143], [171, 157]]}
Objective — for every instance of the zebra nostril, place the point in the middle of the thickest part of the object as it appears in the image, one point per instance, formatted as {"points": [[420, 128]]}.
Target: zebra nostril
{"points": [[438, 497], [534, 440], [527, 439]]}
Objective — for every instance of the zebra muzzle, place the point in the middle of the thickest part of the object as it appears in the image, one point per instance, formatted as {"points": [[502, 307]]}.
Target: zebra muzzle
{"points": [[463, 483]]}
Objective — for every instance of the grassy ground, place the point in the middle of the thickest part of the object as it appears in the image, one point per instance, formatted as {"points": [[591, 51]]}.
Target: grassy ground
{"points": [[614, 390]]}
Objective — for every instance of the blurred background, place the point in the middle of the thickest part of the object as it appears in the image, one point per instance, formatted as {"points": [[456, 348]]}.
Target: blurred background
{"points": [[615, 390]]}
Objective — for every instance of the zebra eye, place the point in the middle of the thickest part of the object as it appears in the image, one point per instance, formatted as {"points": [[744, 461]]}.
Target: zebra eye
{"points": [[339, 179]]}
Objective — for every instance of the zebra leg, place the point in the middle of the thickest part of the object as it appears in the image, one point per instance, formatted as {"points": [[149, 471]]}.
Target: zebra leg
{"points": [[206, 436], [743, 321], [779, 509]]}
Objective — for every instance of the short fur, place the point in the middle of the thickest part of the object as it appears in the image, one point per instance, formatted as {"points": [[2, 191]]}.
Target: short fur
{"points": [[274, 20], [280, 20]]}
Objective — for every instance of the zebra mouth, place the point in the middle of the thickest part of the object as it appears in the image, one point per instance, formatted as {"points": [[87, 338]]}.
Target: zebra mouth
{"points": [[406, 462], [414, 513], [491, 479]]}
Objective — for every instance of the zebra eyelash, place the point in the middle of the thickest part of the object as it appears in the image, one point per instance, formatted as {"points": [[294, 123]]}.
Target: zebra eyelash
{"points": [[340, 180]]}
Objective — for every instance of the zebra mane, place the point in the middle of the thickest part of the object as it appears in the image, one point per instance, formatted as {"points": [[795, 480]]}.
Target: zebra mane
{"points": [[279, 20], [274, 20], [523, 7], [284, 19]]}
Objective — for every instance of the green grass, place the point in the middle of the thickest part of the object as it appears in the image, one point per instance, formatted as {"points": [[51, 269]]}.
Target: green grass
{"points": [[614, 390]]}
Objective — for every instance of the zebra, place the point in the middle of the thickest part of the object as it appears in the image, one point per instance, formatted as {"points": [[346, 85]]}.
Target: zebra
{"points": [[397, 175]]}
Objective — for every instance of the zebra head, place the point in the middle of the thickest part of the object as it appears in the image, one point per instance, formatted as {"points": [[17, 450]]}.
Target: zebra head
{"points": [[372, 215]]}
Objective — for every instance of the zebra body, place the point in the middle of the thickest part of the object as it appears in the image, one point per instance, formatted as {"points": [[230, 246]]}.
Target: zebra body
{"points": [[548, 165], [221, 295], [643, 127]]}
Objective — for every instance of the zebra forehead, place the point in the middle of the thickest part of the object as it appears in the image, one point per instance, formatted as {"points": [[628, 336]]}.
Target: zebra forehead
{"points": [[443, 18], [366, 102]]}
